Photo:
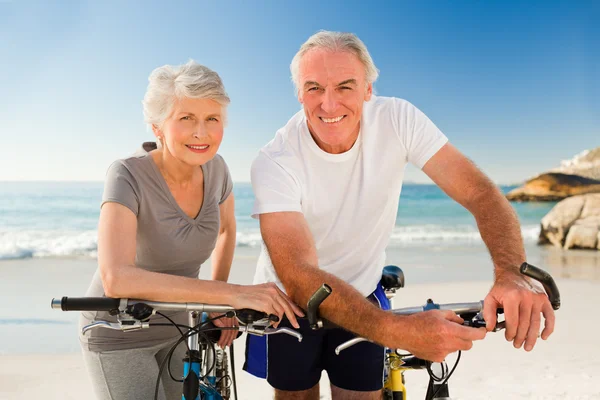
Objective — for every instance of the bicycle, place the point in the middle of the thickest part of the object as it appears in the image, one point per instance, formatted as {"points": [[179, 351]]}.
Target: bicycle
{"points": [[206, 368], [397, 363]]}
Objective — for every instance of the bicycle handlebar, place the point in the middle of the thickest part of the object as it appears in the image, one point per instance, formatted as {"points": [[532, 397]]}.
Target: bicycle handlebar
{"points": [[458, 308], [140, 314], [86, 304], [546, 280], [475, 308], [110, 304]]}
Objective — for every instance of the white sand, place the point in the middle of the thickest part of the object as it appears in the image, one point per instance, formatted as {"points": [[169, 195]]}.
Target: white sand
{"points": [[567, 366]]}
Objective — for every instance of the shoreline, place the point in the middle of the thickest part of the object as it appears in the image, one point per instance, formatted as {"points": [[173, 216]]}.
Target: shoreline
{"points": [[450, 261]]}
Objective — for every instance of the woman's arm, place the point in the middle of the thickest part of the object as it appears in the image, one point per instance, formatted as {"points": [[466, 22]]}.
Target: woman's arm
{"points": [[222, 255], [122, 279]]}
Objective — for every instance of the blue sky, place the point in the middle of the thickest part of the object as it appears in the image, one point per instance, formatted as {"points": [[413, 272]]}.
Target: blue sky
{"points": [[515, 86]]}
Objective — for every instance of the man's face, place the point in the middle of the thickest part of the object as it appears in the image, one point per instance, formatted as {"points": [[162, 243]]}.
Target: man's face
{"points": [[332, 89]]}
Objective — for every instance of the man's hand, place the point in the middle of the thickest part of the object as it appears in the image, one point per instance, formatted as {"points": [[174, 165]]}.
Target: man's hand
{"points": [[433, 334], [523, 303]]}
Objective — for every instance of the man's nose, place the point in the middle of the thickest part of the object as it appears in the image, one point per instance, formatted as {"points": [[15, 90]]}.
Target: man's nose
{"points": [[330, 102]]}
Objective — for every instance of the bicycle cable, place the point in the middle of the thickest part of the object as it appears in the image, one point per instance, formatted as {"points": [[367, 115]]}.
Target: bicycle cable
{"points": [[433, 376], [198, 329], [233, 371], [186, 345], [441, 385], [191, 331]]}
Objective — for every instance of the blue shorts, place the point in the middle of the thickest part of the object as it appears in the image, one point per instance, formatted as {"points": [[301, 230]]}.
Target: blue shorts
{"points": [[291, 365]]}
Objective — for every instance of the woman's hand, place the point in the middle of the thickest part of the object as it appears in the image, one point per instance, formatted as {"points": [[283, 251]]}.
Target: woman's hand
{"points": [[267, 298], [227, 336]]}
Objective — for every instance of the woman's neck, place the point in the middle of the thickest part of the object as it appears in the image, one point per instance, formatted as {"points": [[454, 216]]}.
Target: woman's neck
{"points": [[173, 170]]}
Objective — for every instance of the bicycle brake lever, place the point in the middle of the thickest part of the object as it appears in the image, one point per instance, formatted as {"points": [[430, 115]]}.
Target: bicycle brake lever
{"points": [[479, 322], [272, 331], [125, 326], [268, 330], [499, 326]]}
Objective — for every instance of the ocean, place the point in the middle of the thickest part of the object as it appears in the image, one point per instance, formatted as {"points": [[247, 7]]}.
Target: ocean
{"points": [[59, 219]]}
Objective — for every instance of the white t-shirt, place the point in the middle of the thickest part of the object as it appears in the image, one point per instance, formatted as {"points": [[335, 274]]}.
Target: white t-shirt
{"points": [[349, 200]]}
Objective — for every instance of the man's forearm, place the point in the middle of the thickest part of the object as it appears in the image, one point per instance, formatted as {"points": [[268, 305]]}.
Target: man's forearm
{"points": [[294, 257], [345, 307], [500, 230]]}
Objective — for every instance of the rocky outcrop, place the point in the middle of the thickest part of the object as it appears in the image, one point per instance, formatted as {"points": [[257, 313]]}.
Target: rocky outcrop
{"points": [[554, 187], [586, 164], [577, 176], [573, 223]]}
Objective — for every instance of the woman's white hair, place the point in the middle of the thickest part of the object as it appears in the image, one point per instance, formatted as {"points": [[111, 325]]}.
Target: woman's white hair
{"points": [[190, 80], [335, 41]]}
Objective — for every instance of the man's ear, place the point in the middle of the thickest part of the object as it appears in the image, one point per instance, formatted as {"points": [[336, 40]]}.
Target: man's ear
{"points": [[369, 92]]}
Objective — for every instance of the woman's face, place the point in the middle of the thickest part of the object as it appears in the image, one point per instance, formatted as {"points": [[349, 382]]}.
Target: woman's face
{"points": [[194, 130]]}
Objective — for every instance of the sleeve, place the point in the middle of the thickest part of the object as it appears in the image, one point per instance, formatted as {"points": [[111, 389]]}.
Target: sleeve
{"points": [[227, 182], [121, 187], [275, 189], [420, 137]]}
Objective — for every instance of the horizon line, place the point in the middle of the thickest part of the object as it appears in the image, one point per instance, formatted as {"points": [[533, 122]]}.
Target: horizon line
{"points": [[235, 182]]}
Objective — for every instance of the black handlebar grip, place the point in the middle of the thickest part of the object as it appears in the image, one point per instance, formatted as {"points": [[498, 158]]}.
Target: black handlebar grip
{"points": [[273, 318], [213, 332], [248, 316], [312, 312], [546, 280], [89, 304]]}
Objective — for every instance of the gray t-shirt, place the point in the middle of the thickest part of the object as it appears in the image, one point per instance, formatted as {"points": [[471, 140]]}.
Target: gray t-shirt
{"points": [[167, 240]]}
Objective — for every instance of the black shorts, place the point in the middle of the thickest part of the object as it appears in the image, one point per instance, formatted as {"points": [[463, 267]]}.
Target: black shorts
{"points": [[291, 365]]}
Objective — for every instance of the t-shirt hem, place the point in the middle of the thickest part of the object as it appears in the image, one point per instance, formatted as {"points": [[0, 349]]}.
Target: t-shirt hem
{"points": [[226, 196], [435, 147], [274, 208], [118, 201]]}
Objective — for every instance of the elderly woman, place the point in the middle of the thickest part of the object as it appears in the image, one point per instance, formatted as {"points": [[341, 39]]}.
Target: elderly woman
{"points": [[164, 211]]}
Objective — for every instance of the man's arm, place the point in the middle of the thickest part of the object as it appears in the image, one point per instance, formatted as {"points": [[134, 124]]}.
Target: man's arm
{"points": [[500, 230], [431, 335]]}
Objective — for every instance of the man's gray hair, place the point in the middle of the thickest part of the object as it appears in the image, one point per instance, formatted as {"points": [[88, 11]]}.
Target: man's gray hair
{"points": [[335, 41], [190, 80]]}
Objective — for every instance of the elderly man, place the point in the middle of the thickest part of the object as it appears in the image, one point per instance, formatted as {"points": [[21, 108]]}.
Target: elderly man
{"points": [[327, 189]]}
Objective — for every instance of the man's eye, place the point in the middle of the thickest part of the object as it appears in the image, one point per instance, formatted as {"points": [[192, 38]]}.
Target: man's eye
{"points": [[345, 88], [311, 89], [215, 119], [186, 118]]}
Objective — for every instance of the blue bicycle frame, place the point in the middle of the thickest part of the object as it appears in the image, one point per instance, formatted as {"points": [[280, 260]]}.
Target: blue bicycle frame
{"points": [[193, 386]]}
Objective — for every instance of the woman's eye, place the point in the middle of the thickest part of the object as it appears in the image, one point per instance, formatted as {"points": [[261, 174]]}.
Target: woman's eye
{"points": [[213, 119], [186, 118]]}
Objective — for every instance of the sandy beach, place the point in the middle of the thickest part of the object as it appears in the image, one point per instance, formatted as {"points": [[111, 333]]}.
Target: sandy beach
{"points": [[39, 351]]}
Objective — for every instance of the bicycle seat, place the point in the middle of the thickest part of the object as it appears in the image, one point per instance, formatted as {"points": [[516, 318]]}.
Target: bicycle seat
{"points": [[392, 277]]}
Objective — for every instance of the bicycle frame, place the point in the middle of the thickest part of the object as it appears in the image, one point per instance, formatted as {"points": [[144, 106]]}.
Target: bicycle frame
{"points": [[195, 371], [395, 365], [199, 378]]}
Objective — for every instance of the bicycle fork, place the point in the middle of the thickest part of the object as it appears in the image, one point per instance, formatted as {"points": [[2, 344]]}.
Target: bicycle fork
{"points": [[191, 364], [394, 381], [395, 367]]}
